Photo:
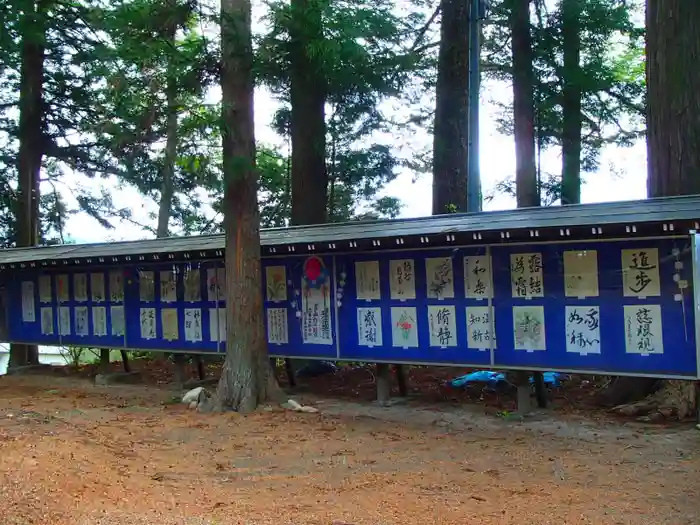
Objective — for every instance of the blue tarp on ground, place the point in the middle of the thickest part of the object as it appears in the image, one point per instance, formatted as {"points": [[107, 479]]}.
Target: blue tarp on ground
{"points": [[493, 379]]}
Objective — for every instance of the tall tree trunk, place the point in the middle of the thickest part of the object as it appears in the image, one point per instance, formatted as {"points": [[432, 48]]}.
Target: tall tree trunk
{"points": [[308, 121], [527, 191], [167, 185], [451, 128], [246, 378], [673, 163], [527, 187], [31, 144], [571, 103]]}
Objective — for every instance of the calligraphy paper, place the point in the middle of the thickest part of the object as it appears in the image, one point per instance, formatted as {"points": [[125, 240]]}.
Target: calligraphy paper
{"points": [[62, 288], [643, 330], [528, 328], [97, 287], [216, 284], [367, 280], [404, 327], [99, 320], [171, 329], [402, 281], [277, 329], [80, 288], [147, 320], [82, 328], [581, 273], [168, 286], [369, 326], [116, 287], [640, 273], [583, 329], [45, 295], [316, 316], [481, 329], [217, 324], [28, 310], [276, 283], [442, 325], [526, 275], [64, 320], [477, 277], [193, 286], [439, 278], [193, 324], [47, 320], [147, 286], [117, 320]]}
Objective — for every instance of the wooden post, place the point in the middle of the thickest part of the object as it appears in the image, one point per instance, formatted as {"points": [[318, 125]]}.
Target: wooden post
{"points": [[125, 361], [104, 360], [383, 383], [179, 361], [201, 373], [402, 379], [540, 389]]}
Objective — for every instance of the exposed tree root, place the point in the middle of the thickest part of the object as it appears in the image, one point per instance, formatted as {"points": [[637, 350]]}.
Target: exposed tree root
{"points": [[673, 400]]}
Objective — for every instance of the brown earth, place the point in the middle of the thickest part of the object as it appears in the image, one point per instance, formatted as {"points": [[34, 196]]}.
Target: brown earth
{"points": [[73, 453]]}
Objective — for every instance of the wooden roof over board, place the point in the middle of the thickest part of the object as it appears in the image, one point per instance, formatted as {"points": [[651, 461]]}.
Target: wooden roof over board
{"points": [[629, 219]]}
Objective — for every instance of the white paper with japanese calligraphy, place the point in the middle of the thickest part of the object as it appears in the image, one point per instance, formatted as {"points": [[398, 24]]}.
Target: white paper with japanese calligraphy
{"points": [[640, 273], [147, 319], [404, 327], [316, 316], [643, 329], [217, 324], [193, 286], [216, 284], [116, 287], [528, 328], [402, 279], [147, 286], [583, 329], [526, 275], [581, 273], [276, 283], [478, 283], [193, 325], [481, 328], [367, 280], [369, 327], [64, 320], [97, 287], [168, 286], [45, 289], [439, 278], [80, 287], [171, 328], [28, 307], [47, 320], [442, 325], [99, 320], [81, 321], [277, 326], [62, 288], [116, 314]]}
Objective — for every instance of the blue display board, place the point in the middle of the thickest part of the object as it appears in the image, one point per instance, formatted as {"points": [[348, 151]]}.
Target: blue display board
{"points": [[618, 307]]}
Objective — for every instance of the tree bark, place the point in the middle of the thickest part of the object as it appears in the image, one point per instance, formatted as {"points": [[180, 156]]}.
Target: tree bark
{"points": [[673, 161], [245, 380], [527, 190], [571, 103], [168, 182], [308, 119], [451, 127], [31, 144]]}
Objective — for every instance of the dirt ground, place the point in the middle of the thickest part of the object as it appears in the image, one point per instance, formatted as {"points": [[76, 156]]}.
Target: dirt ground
{"points": [[73, 453]]}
